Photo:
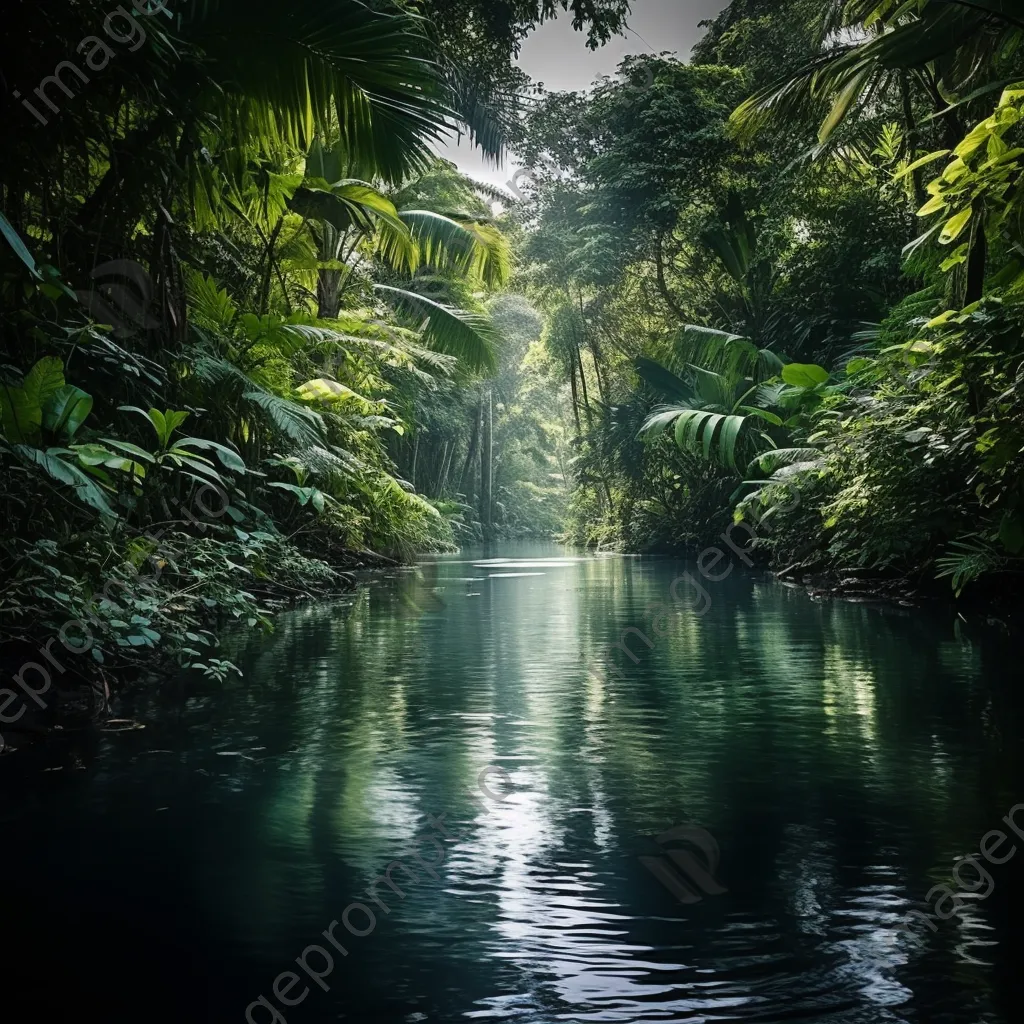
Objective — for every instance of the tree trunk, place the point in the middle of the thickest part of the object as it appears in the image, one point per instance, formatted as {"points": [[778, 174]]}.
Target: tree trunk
{"points": [[474, 441], [446, 467], [486, 479], [583, 386], [976, 263], [268, 272], [575, 397], [328, 294], [602, 384], [415, 456], [912, 138]]}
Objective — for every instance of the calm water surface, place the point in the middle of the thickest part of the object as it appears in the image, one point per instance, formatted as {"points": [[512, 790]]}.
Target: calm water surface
{"points": [[841, 756]]}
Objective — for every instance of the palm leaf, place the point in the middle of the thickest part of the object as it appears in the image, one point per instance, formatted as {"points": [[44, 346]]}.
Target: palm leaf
{"points": [[700, 431], [283, 69], [470, 337], [461, 244]]}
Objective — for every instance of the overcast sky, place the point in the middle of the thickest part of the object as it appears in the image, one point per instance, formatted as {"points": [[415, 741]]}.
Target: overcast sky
{"points": [[558, 57]]}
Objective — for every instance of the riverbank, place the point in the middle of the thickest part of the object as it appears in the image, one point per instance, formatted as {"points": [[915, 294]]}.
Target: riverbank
{"points": [[996, 600], [63, 670]]}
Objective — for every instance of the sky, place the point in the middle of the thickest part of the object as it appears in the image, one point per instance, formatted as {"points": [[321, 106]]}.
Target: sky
{"points": [[558, 57]]}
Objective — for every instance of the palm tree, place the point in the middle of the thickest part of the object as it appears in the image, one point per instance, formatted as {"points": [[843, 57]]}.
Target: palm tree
{"points": [[353, 220]]}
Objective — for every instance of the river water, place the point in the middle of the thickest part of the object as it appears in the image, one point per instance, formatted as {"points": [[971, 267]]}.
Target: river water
{"points": [[823, 766]]}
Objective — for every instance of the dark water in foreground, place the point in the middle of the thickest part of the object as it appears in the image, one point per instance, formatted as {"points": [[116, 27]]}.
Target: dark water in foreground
{"points": [[841, 756]]}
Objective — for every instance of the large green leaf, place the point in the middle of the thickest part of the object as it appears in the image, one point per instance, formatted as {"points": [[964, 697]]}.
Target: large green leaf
{"points": [[323, 389], [954, 227], [229, 458], [95, 455], [700, 431], [334, 208], [66, 410], [713, 389], [460, 244], [21, 409], [44, 380], [721, 241], [662, 379], [660, 420], [131, 449], [286, 70], [20, 417], [804, 375]]}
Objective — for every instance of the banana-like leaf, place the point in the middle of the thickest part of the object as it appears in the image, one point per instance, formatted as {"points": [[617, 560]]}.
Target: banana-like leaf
{"points": [[722, 243], [713, 389], [66, 410], [804, 375], [92, 456], [764, 414]]}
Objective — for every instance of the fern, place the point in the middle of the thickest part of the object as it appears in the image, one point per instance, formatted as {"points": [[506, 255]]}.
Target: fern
{"points": [[289, 418]]}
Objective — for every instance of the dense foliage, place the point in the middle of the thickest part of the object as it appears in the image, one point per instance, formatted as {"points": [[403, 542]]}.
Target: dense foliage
{"points": [[255, 333], [238, 291], [782, 283]]}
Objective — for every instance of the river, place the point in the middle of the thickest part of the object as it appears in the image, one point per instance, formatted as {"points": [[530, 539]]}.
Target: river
{"points": [[732, 822]]}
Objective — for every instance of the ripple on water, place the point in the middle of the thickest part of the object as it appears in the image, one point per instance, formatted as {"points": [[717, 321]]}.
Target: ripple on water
{"points": [[839, 756]]}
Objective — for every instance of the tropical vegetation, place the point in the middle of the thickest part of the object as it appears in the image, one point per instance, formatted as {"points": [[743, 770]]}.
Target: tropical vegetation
{"points": [[256, 334]]}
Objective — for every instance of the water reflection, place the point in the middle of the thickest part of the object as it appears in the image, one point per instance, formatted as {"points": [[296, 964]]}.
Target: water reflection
{"points": [[841, 755]]}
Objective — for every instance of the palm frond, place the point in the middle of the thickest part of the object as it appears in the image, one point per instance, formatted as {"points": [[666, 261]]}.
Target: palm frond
{"points": [[700, 431], [465, 246], [470, 337], [288, 418], [286, 69]]}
